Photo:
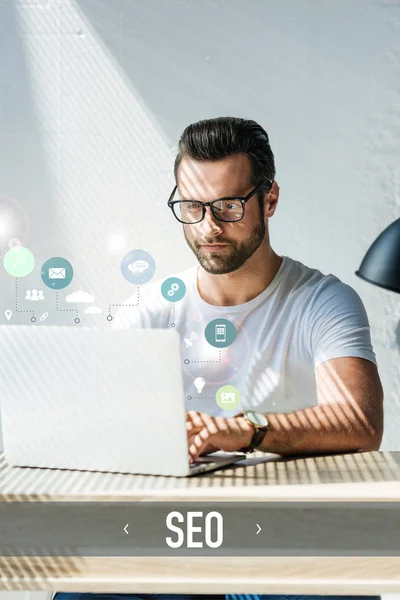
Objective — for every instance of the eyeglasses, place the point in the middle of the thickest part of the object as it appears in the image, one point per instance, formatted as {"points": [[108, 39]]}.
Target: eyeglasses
{"points": [[224, 209]]}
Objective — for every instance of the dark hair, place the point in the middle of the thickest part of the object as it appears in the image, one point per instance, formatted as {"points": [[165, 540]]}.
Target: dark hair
{"points": [[218, 138]]}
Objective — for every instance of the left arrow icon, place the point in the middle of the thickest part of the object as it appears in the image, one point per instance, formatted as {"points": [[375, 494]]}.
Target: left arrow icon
{"points": [[125, 529]]}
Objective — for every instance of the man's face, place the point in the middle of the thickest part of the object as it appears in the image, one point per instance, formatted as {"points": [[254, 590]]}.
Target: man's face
{"points": [[234, 242]]}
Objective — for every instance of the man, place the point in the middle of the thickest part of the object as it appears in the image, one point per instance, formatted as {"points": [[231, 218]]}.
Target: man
{"points": [[302, 355]]}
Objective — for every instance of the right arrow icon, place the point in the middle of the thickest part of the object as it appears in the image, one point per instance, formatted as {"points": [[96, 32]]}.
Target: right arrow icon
{"points": [[259, 529]]}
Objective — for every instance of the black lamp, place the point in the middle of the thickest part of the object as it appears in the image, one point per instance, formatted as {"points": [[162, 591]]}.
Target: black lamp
{"points": [[381, 264]]}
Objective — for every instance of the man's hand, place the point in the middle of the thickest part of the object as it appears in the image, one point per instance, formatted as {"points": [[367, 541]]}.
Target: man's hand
{"points": [[207, 434]]}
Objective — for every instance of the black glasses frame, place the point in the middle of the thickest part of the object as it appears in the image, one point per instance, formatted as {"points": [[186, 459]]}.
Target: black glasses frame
{"points": [[242, 200]]}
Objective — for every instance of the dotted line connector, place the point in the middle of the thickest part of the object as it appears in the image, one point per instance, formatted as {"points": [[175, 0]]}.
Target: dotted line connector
{"points": [[110, 317], [16, 303], [75, 310], [187, 361]]}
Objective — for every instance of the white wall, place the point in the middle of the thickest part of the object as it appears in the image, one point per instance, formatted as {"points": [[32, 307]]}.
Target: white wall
{"points": [[94, 95]]}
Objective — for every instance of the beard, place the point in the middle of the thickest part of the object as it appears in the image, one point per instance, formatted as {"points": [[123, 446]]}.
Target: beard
{"points": [[229, 259]]}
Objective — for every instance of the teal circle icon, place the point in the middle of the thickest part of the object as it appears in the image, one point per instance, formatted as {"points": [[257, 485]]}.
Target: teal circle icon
{"points": [[19, 261], [57, 273], [228, 397], [220, 333], [173, 289]]}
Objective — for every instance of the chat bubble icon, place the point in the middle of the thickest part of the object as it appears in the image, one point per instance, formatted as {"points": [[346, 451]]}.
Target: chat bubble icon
{"points": [[139, 266]]}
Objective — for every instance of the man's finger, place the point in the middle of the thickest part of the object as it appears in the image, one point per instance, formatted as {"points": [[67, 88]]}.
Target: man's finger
{"points": [[199, 443], [194, 418], [212, 426], [190, 426], [191, 438]]}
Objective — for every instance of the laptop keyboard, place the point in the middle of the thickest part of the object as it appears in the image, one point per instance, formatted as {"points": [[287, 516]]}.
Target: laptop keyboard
{"points": [[207, 459]]}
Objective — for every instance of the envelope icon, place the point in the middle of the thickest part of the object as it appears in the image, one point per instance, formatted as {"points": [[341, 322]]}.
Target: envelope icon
{"points": [[57, 273]]}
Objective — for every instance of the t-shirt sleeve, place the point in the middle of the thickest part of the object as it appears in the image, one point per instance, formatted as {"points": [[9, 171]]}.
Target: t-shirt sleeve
{"points": [[338, 324]]}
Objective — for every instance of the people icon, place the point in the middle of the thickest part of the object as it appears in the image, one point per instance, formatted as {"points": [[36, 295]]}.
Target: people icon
{"points": [[34, 295]]}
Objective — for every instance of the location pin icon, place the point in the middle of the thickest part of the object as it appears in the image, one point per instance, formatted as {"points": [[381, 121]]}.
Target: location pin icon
{"points": [[8, 314]]}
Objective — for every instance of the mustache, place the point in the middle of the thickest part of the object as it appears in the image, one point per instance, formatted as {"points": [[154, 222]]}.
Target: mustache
{"points": [[211, 242]]}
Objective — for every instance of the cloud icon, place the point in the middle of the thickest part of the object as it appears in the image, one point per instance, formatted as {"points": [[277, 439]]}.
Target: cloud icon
{"points": [[79, 296], [93, 310]]}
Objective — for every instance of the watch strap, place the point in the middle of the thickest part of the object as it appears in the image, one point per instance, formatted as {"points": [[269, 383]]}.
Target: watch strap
{"points": [[256, 440]]}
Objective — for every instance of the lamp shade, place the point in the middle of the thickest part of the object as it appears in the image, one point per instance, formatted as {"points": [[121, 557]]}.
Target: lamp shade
{"points": [[381, 264]]}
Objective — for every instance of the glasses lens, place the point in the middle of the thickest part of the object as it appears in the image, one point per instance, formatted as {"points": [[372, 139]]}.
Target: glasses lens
{"points": [[191, 211], [228, 210], [188, 211]]}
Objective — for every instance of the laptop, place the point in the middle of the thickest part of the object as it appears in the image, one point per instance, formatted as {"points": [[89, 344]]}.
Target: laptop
{"points": [[96, 399]]}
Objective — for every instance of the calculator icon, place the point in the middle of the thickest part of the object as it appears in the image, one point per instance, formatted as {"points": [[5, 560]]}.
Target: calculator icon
{"points": [[220, 332]]}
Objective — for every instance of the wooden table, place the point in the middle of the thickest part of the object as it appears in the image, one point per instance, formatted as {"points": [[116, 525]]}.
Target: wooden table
{"points": [[367, 476]]}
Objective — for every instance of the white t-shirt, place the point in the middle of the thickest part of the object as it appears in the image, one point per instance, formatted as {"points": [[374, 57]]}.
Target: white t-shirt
{"points": [[300, 320]]}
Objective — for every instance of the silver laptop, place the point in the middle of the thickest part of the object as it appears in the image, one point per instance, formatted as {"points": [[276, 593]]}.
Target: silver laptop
{"points": [[96, 399]]}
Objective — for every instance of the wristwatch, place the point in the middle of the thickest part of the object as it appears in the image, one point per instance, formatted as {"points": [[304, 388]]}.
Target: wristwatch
{"points": [[260, 424]]}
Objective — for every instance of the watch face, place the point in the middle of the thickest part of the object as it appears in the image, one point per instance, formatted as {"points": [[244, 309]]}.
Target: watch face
{"points": [[256, 418]]}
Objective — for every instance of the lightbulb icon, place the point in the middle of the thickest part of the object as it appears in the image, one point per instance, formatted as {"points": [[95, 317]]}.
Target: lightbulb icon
{"points": [[199, 382]]}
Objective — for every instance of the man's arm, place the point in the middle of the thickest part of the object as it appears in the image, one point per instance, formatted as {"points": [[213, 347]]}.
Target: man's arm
{"points": [[349, 417]]}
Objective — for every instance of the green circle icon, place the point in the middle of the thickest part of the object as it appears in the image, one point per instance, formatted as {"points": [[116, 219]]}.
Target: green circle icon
{"points": [[228, 397], [19, 261], [220, 333]]}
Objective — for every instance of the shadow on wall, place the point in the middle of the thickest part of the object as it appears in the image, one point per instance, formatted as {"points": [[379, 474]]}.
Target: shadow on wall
{"points": [[24, 168], [183, 57]]}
